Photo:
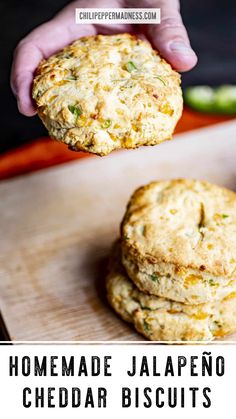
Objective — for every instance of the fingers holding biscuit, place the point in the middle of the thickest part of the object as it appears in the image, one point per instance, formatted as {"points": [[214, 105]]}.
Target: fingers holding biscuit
{"points": [[40, 43], [170, 37], [26, 59]]}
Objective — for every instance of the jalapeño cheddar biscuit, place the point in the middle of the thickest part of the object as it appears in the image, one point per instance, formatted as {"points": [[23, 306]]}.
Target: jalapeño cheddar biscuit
{"points": [[179, 240], [162, 319], [108, 92]]}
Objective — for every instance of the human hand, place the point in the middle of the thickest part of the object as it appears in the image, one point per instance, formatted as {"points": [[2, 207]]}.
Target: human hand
{"points": [[169, 38]]}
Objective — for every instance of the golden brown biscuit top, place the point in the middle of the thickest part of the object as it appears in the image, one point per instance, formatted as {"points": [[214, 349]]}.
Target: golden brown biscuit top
{"points": [[107, 92], [188, 223]]}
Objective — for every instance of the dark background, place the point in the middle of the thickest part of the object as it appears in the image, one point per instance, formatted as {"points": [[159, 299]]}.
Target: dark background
{"points": [[211, 25]]}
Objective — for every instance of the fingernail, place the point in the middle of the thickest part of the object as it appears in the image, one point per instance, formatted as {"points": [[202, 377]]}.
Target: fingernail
{"points": [[181, 47]]}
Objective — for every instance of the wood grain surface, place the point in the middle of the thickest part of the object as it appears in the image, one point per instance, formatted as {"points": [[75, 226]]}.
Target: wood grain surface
{"points": [[57, 227]]}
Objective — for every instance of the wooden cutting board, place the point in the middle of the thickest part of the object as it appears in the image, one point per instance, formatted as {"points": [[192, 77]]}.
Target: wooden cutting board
{"points": [[57, 227]]}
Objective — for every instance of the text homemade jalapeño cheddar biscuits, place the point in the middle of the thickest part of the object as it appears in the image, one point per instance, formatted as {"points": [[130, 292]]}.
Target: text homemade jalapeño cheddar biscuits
{"points": [[103, 93]]}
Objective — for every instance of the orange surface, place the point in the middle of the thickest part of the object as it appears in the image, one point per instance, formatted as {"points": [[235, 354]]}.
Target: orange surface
{"points": [[44, 152]]}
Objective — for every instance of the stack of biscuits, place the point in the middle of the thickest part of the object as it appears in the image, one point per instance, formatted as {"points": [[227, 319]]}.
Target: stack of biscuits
{"points": [[172, 273]]}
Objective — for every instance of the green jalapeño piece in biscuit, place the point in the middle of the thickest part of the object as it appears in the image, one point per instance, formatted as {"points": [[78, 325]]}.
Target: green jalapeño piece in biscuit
{"points": [[162, 319], [179, 240], [103, 93]]}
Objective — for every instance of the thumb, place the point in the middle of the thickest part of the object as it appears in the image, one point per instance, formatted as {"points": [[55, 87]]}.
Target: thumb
{"points": [[170, 38]]}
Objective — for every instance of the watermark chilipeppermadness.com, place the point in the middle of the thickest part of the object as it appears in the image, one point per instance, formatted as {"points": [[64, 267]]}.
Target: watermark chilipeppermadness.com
{"points": [[117, 16]]}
